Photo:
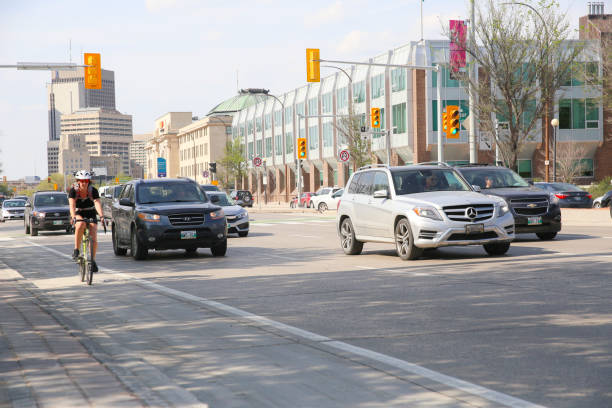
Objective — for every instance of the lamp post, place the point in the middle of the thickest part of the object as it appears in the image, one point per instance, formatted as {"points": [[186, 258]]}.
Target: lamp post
{"points": [[555, 125]]}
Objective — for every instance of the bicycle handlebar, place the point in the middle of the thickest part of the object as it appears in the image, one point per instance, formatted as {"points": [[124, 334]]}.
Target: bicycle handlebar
{"points": [[92, 221]]}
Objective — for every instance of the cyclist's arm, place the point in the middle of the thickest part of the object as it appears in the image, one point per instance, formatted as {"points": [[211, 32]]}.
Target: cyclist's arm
{"points": [[72, 203], [98, 206]]}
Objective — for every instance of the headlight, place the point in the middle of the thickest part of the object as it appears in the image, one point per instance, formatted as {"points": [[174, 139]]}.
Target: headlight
{"points": [[241, 215], [503, 209], [553, 199], [215, 215], [38, 214], [427, 212], [149, 217]]}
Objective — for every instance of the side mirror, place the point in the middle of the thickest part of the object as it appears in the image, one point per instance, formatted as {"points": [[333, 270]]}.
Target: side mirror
{"points": [[109, 196], [126, 202], [530, 182], [214, 199], [381, 194], [476, 188], [28, 204]]}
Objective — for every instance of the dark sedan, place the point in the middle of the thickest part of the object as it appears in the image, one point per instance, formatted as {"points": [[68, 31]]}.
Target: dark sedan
{"points": [[569, 195]]}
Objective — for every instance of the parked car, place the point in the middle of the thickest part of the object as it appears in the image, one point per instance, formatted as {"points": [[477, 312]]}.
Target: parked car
{"points": [[242, 197], [306, 199], [21, 197], [293, 202], [569, 195], [166, 214], [12, 209], [603, 201], [236, 216], [417, 207], [534, 210], [108, 194], [209, 187], [47, 211], [327, 198]]}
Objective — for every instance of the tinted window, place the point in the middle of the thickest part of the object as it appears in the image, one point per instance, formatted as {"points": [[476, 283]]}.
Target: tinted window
{"points": [[493, 178], [338, 193], [564, 187], [381, 182], [210, 187], [169, 192], [221, 199], [366, 182], [125, 191], [50, 200], [425, 180], [116, 191], [354, 187], [13, 203]]}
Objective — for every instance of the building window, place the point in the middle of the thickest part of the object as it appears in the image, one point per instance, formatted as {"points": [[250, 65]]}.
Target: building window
{"points": [[447, 82], [258, 124], [327, 102], [278, 118], [327, 135], [251, 153], [378, 86], [524, 168], [289, 142], [259, 150], [582, 72], [359, 92], [313, 106], [398, 79], [250, 128], [398, 120], [578, 114], [341, 98], [313, 137], [278, 144], [288, 115], [268, 146], [228, 130], [268, 121], [586, 167]]}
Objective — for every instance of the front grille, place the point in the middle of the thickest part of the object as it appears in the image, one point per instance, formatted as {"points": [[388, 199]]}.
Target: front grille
{"points": [[15, 211], [186, 219], [426, 234], [230, 217], [537, 205], [61, 215], [458, 212], [470, 237]]}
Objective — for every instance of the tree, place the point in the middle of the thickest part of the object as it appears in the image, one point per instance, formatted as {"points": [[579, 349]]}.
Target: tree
{"points": [[349, 134], [522, 60], [569, 161], [233, 163]]}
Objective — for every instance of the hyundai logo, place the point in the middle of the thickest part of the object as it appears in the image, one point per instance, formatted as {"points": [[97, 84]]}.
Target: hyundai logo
{"points": [[57, 214], [187, 218], [471, 213]]}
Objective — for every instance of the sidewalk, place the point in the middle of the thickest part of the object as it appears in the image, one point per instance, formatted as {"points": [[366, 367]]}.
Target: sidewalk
{"points": [[586, 217], [276, 207], [41, 363]]}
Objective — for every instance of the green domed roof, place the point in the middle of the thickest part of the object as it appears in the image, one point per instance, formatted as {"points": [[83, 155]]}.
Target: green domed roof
{"points": [[237, 103]]}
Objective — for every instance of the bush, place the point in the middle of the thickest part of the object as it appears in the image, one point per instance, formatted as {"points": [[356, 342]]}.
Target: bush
{"points": [[600, 188]]}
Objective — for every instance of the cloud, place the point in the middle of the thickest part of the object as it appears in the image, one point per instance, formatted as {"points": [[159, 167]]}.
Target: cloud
{"points": [[155, 6], [334, 12]]}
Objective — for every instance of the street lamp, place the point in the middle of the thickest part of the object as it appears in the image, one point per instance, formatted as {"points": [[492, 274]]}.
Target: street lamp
{"points": [[555, 125]]}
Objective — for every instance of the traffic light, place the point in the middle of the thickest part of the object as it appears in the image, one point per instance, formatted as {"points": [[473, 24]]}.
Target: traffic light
{"points": [[313, 66], [212, 167], [375, 118], [93, 73], [116, 180], [302, 151], [445, 123], [48, 179], [55, 186], [453, 122]]}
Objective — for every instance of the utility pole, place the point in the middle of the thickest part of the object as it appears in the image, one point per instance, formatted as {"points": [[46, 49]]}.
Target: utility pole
{"points": [[471, 101]]}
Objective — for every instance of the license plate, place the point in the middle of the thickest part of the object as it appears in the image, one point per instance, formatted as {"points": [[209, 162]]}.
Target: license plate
{"points": [[577, 198], [534, 221], [188, 234], [58, 222], [474, 228]]}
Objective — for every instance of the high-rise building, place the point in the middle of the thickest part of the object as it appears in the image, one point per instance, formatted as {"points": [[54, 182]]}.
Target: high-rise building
{"points": [[72, 154], [138, 155]]}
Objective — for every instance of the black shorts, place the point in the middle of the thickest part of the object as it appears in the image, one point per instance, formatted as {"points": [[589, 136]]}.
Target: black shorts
{"points": [[88, 214]]}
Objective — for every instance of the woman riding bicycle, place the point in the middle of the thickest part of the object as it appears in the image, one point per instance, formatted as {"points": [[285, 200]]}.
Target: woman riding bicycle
{"points": [[85, 203]]}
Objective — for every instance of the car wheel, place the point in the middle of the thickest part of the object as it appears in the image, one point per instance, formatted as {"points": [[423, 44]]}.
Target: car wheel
{"points": [[116, 248], [27, 226], [349, 243], [69, 230], [497, 248], [243, 234], [596, 205], [404, 241], [139, 252], [33, 231], [546, 236], [220, 249], [322, 207], [191, 251]]}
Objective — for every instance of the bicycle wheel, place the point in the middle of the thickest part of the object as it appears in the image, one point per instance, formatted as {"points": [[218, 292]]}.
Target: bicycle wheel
{"points": [[82, 268], [89, 266]]}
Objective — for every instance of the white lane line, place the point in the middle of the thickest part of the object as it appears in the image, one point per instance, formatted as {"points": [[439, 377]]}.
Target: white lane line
{"points": [[406, 366], [262, 224], [304, 236], [396, 271]]}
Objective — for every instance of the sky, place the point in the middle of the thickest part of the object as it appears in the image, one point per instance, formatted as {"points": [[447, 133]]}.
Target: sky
{"points": [[190, 55]]}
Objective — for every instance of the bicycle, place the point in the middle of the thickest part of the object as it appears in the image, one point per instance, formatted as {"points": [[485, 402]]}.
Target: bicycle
{"points": [[84, 260]]}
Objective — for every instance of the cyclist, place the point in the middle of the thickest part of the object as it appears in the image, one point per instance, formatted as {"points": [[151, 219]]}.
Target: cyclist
{"points": [[85, 203]]}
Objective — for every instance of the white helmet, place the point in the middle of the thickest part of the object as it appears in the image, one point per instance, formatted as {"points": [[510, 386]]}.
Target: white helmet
{"points": [[82, 175]]}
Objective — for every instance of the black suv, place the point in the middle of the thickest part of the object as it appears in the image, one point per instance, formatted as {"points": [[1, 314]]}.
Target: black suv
{"points": [[47, 211], [534, 210], [166, 214], [242, 197]]}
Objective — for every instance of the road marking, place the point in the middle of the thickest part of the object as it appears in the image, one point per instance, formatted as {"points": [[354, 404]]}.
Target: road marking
{"points": [[406, 366], [396, 271]]}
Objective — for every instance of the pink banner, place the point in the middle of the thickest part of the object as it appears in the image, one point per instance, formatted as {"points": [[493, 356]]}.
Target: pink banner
{"points": [[458, 33]]}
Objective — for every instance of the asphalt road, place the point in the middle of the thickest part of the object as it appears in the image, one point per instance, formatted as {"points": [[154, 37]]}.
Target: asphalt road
{"points": [[286, 319]]}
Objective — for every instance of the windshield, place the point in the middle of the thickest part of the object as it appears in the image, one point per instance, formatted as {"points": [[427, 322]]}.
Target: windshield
{"points": [[221, 199], [50, 200], [488, 177], [13, 203], [563, 187], [168, 193], [425, 180]]}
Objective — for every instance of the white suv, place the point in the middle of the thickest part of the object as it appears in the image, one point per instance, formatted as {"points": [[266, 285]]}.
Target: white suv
{"points": [[418, 207]]}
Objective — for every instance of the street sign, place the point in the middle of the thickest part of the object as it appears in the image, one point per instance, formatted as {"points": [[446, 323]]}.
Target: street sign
{"points": [[161, 167], [257, 161], [344, 155], [99, 171], [486, 141], [205, 173]]}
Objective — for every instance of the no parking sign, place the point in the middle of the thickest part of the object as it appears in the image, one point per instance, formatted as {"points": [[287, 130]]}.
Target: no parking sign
{"points": [[344, 155]]}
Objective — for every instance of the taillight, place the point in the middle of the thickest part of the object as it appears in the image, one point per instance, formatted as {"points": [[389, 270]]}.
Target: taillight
{"points": [[561, 196], [338, 206], [590, 195]]}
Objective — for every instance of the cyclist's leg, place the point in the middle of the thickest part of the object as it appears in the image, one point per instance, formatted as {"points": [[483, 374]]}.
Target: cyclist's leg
{"points": [[93, 237], [79, 228]]}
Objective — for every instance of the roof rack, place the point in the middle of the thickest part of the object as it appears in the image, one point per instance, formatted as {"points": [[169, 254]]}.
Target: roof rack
{"points": [[372, 166], [473, 164], [434, 163]]}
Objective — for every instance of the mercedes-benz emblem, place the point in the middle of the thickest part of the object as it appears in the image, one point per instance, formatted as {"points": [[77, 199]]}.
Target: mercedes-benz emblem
{"points": [[471, 213]]}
